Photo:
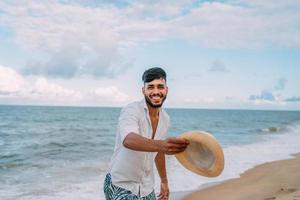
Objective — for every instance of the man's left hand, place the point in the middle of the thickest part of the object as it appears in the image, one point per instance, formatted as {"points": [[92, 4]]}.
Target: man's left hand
{"points": [[164, 191]]}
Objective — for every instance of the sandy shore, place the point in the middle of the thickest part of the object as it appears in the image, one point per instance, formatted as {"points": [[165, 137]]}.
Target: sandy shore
{"points": [[279, 180]]}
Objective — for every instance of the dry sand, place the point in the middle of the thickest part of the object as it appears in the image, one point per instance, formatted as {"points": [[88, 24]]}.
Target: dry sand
{"points": [[279, 180]]}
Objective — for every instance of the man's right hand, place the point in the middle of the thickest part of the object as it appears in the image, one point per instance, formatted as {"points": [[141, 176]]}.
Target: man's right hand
{"points": [[174, 145]]}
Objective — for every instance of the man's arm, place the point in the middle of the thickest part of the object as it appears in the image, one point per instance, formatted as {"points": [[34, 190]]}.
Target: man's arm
{"points": [[160, 162], [169, 146]]}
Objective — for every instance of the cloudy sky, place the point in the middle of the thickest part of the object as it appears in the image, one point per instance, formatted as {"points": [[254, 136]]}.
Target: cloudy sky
{"points": [[233, 54]]}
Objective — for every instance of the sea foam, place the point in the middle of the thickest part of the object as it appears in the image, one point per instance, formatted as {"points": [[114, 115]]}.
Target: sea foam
{"points": [[238, 159]]}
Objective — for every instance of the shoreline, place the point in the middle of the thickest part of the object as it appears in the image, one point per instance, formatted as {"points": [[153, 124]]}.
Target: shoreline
{"points": [[179, 195], [268, 181]]}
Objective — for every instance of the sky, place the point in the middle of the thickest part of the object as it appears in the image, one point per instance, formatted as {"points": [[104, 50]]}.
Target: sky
{"points": [[233, 54]]}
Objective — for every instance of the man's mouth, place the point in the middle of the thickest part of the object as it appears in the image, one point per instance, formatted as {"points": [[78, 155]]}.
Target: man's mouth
{"points": [[156, 98]]}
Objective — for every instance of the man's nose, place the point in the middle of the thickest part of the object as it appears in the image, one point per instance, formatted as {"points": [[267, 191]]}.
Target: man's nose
{"points": [[156, 90]]}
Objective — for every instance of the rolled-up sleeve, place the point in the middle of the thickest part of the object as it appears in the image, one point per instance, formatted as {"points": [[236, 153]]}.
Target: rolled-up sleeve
{"points": [[128, 122]]}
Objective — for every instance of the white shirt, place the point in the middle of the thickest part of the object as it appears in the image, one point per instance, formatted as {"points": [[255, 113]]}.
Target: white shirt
{"points": [[129, 169]]}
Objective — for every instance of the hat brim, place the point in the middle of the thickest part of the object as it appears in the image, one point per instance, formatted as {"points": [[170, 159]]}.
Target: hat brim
{"points": [[203, 156]]}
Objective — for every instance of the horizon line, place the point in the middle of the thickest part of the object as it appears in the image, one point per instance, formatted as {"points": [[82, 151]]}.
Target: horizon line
{"points": [[169, 107]]}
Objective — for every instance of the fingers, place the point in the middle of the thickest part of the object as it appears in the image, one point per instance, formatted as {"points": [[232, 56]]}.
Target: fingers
{"points": [[172, 145], [175, 150], [163, 196], [160, 196], [178, 141], [175, 145], [172, 152]]}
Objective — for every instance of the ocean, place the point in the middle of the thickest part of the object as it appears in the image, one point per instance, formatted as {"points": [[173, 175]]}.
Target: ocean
{"points": [[49, 153]]}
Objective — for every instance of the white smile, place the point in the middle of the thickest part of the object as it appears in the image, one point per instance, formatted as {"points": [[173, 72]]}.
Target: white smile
{"points": [[156, 98]]}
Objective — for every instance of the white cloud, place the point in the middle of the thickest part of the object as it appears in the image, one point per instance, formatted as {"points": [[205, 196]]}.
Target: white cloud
{"points": [[11, 83], [206, 100], [162, 9], [85, 40], [110, 93], [46, 25], [14, 85], [40, 90], [78, 40], [221, 25], [43, 89], [262, 102]]}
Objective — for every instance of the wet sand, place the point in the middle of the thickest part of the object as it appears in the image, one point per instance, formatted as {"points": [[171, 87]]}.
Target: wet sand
{"points": [[278, 180]]}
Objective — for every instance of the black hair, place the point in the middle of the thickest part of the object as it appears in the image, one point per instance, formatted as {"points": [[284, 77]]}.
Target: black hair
{"points": [[154, 73]]}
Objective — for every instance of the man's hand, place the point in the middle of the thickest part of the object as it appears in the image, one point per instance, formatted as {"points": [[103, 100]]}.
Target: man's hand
{"points": [[164, 191], [172, 146]]}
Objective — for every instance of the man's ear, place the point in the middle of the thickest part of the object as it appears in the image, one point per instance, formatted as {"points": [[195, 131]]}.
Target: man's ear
{"points": [[143, 90]]}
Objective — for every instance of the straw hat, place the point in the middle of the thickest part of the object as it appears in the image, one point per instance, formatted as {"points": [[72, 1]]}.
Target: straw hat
{"points": [[203, 156]]}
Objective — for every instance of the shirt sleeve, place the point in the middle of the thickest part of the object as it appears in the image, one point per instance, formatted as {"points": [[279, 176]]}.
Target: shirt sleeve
{"points": [[128, 122]]}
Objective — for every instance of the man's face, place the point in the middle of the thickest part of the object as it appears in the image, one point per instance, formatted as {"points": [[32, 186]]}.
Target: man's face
{"points": [[155, 92]]}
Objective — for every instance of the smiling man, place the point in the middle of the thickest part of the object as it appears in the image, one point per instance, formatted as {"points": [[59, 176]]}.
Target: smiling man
{"points": [[142, 140]]}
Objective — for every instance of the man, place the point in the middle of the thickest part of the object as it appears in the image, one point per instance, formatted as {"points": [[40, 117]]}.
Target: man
{"points": [[141, 141]]}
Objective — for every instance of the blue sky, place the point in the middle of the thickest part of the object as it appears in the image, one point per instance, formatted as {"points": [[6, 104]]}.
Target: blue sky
{"points": [[233, 54]]}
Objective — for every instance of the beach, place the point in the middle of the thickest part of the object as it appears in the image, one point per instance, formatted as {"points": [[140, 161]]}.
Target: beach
{"points": [[53, 153], [278, 180]]}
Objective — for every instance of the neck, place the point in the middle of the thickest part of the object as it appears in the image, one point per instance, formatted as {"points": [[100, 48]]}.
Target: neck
{"points": [[153, 112]]}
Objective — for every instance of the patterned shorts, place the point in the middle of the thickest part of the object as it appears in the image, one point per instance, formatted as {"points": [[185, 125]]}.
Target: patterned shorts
{"points": [[113, 192]]}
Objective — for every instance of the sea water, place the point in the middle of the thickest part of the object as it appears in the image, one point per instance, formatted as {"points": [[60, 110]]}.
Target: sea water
{"points": [[63, 152]]}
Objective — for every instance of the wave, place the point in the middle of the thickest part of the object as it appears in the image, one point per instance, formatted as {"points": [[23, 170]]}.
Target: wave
{"points": [[271, 129], [238, 159]]}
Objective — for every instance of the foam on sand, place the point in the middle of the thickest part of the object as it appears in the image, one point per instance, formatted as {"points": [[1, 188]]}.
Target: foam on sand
{"points": [[269, 181], [238, 159]]}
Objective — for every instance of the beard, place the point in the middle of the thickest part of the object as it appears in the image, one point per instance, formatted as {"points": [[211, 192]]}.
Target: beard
{"points": [[148, 101]]}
